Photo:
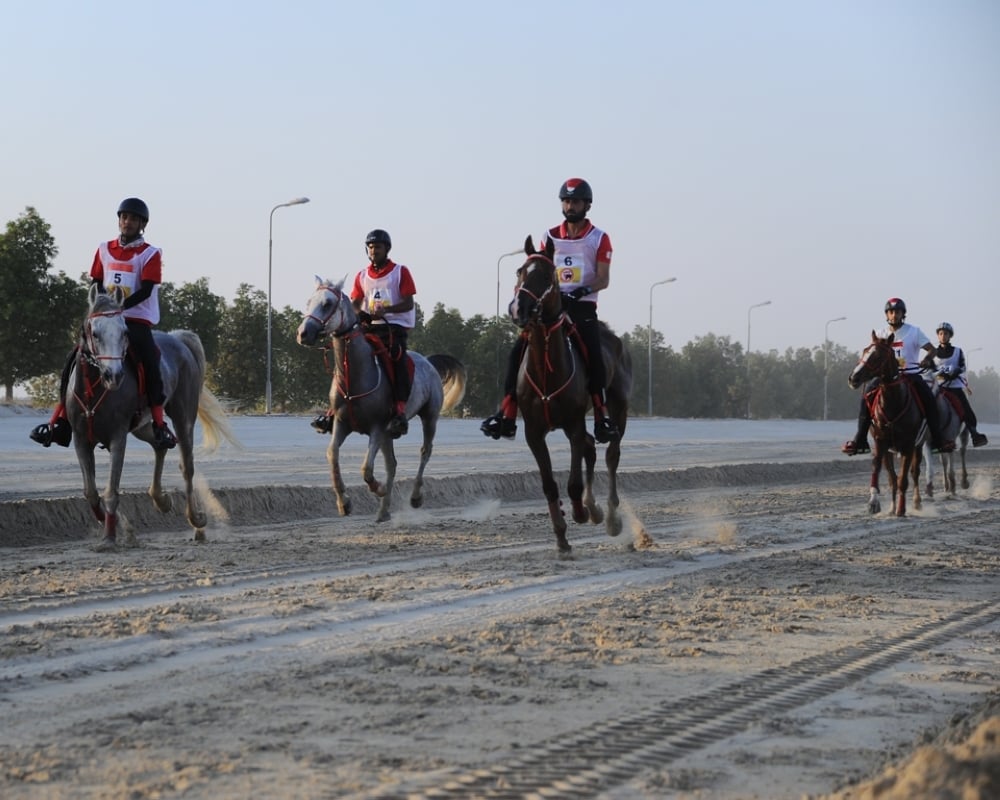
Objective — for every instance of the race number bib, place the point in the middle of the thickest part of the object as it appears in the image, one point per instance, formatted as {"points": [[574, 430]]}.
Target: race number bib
{"points": [[570, 266]]}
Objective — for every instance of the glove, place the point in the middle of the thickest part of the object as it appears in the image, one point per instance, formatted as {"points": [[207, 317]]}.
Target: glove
{"points": [[365, 318], [582, 291], [946, 374], [567, 298], [927, 363]]}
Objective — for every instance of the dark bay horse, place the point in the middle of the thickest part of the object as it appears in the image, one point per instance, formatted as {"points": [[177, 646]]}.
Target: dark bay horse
{"points": [[104, 405], [552, 394], [898, 423], [360, 393]]}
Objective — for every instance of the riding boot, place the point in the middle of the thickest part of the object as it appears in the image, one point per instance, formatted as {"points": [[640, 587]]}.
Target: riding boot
{"points": [[859, 444], [604, 427], [163, 437], [978, 439], [398, 425], [323, 423], [57, 429], [504, 422]]}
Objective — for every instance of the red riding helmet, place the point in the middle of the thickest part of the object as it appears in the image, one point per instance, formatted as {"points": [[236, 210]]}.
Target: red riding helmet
{"points": [[895, 303]]}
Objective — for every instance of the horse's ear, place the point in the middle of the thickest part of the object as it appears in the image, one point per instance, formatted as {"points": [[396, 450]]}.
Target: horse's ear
{"points": [[319, 281], [118, 295], [529, 246], [874, 336], [92, 293], [550, 248]]}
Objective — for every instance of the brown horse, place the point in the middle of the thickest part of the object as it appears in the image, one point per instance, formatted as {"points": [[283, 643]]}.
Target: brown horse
{"points": [[898, 423], [552, 394]]}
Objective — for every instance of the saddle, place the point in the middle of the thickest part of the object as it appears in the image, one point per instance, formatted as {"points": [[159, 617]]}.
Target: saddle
{"points": [[389, 364]]}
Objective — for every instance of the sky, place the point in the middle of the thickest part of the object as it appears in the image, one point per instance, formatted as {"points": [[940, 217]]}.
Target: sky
{"points": [[823, 156]]}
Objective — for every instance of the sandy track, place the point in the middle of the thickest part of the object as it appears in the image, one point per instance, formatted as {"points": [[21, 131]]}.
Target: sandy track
{"points": [[774, 641]]}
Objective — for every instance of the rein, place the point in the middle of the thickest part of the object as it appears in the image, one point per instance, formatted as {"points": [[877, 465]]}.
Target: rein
{"points": [[87, 358]]}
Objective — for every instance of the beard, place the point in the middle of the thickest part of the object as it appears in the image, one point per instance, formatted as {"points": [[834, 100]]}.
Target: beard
{"points": [[575, 216]]}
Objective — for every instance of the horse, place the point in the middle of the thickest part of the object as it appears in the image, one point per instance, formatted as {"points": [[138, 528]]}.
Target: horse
{"points": [[361, 395], [898, 423], [552, 394], [953, 429], [104, 404]]}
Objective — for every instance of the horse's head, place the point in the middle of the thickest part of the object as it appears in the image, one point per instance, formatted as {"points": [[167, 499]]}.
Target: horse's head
{"points": [[877, 361], [105, 335], [329, 312], [537, 286]]}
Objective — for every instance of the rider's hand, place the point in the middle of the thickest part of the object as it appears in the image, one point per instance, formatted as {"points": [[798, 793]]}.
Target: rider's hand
{"points": [[946, 374], [567, 298], [582, 291], [364, 318], [928, 362]]}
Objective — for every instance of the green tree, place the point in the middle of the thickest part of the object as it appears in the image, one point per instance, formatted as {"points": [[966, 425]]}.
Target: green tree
{"points": [[39, 311], [240, 368], [193, 307]]}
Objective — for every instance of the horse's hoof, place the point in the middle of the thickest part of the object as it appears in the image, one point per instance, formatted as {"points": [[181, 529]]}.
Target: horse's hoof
{"points": [[106, 545], [199, 536], [416, 502], [614, 526], [597, 515]]}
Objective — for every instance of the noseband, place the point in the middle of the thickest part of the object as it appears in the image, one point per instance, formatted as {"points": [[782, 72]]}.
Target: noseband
{"points": [[338, 298]]}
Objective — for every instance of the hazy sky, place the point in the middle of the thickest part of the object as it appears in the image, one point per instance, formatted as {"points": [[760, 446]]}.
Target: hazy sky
{"points": [[820, 155]]}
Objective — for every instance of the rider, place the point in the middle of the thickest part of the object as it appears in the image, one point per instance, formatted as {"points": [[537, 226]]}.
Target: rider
{"points": [[135, 266], [383, 297], [950, 367], [583, 260], [908, 342]]}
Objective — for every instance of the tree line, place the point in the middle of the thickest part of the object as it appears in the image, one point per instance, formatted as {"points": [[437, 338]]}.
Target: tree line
{"points": [[709, 377]]}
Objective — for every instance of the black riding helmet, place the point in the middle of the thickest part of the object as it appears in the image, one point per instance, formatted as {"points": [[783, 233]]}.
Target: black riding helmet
{"points": [[376, 236], [945, 326], [895, 303], [576, 187], [133, 205]]}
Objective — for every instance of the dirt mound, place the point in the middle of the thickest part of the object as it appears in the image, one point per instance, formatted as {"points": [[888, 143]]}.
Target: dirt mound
{"points": [[35, 521]]}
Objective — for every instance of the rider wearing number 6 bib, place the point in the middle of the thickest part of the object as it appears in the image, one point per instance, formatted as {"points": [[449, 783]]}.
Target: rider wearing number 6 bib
{"points": [[135, 266], [583, 263]]}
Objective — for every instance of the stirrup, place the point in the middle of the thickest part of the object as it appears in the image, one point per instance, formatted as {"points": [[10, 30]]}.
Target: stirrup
{"points": [[605, 430], [498, 426], [853, 448], [943, 447], [398, 426], [163, 438]]}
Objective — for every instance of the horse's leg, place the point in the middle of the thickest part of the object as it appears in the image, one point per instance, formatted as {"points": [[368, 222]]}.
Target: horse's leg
{"points": [[903, 483], [116, 447], [917, 456], [892, 478], [574, 486], [589, 463], [429, 423], [948, 468], [161, 499], [874, 505], [196, 516], [961, 454], [929, 459], [85, 457], [611, 459], [340, 432], [536, 443], [389, 457]]}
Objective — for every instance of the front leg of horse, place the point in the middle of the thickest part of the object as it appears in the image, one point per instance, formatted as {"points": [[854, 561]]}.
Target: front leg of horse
{"points": [[111, 492], [536, 442], [161, 499], [575, 486], [902, 484], [339, 489], [915, 473], [874, 504], [430, 428], [85, 457], [383, 491]]}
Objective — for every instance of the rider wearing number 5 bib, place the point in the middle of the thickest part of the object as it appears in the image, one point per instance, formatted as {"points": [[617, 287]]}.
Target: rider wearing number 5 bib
{"points": [[135, 266], [583, 262]]}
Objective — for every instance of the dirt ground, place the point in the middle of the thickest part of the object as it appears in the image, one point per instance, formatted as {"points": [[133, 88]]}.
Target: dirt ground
{"points": [[753, 633]]}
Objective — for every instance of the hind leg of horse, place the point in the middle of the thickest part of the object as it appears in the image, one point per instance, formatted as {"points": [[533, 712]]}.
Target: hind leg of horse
{"points": [[929, 461], [902, 484], [536, 443], [333, 457], [611, 459], [196, 516], [575, 484], [430, 429], [589, 463], [917, 457], [961, 455]]}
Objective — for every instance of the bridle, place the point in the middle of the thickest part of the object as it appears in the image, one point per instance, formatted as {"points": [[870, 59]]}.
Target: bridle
{"points": [[337, 297], [539, 299], [89, 348]]}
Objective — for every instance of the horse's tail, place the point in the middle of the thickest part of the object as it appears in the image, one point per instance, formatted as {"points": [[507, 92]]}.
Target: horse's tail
{"points": [[214, 422], [454, 378], [212, 416]]}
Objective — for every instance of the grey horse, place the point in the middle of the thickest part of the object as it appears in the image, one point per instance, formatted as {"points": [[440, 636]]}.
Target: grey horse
{"points": [[360, 393], [104, 405]]}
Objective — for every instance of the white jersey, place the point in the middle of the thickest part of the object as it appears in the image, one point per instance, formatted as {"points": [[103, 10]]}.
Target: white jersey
{"points": [[908, 341], [953, 364]]}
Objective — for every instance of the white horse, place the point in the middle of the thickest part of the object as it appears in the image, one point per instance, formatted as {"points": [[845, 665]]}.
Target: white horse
{"points": [[104, 404], [360, 393]]}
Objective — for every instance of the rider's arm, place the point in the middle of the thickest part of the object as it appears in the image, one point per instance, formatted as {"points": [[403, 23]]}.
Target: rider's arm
{"points": [[142, 293]]}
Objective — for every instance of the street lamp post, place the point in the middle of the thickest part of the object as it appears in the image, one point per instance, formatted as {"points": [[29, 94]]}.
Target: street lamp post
{"points": [[649, 336], [496, 320], [826, 356], [755, 305], [270, 245]]}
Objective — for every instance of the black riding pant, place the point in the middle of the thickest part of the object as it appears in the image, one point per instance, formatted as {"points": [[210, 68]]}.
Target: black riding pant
{"points": [[394, 339], [967, 413], [140, 337]]}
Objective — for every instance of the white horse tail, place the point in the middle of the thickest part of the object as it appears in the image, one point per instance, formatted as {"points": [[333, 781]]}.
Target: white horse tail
{"points": [[453, 379], [214, 422]]}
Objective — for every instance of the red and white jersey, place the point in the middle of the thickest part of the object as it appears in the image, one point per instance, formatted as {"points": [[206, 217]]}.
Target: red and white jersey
{"points": [[386, 287], [576, 258], [127, 267], [908, 342]]}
